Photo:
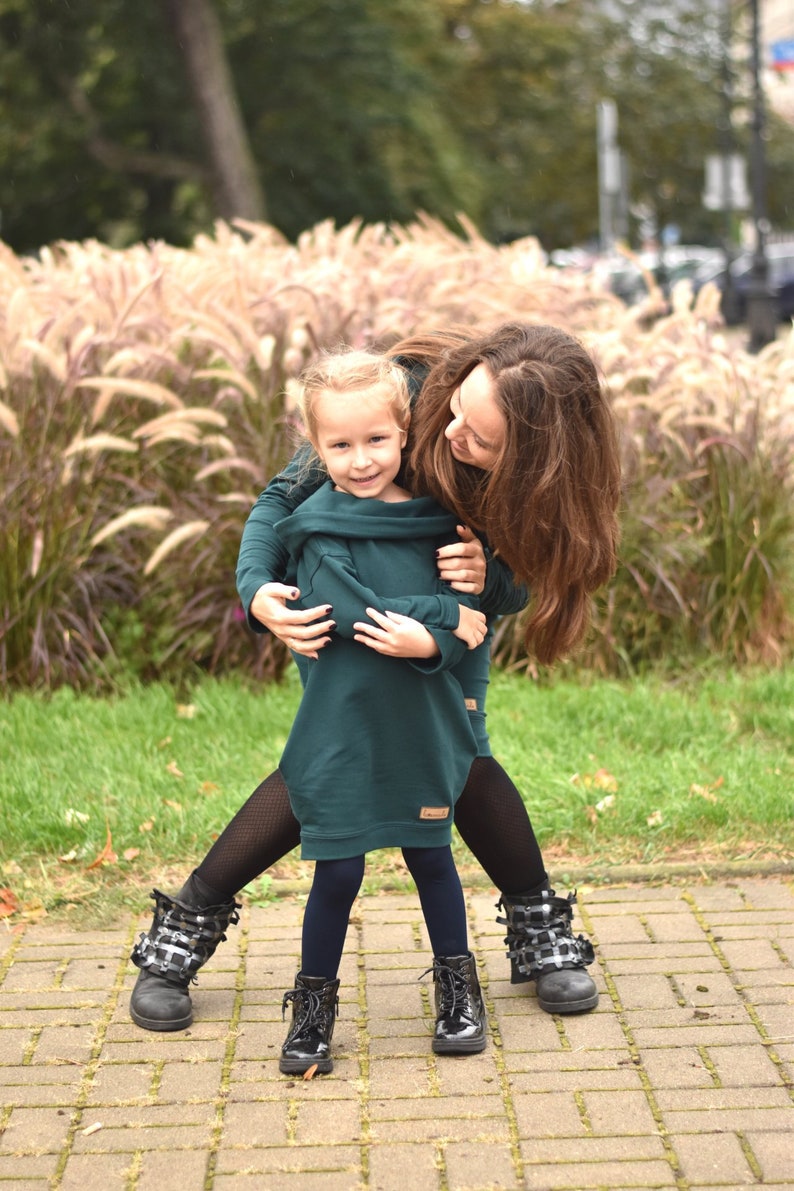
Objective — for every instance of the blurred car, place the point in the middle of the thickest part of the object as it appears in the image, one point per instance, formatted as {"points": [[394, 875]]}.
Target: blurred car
{"points": [[780, 258], [627, 275]]}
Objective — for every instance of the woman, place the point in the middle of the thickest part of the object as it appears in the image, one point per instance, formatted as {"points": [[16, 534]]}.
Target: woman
{"points": [[513, 433]]}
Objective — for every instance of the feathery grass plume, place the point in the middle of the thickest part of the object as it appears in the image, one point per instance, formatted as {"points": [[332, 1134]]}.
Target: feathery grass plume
{"points": [[183, 534], [145, 517], [46, 356], [222, 443], [99, 442], [181, 418], [229, 377], [9, 420], [223, 465], [148, 390]]}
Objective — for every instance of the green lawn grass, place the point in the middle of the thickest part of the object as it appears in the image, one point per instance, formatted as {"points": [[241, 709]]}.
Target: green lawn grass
{"points": [[101, 797]]}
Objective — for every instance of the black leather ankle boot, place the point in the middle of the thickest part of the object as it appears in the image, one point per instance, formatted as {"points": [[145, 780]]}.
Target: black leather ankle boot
{"points": [[542, 947], [315, 1005], [184, 934], [460, 1012]]}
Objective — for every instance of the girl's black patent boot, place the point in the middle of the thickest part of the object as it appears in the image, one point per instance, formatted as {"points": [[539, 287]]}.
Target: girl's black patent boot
{"points": [[315, 1006], [184, 934], [460, 1012], [542, 947]]}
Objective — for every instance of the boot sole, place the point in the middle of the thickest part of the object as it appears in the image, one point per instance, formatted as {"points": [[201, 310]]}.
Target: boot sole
{"points": [[563, 1007], [161, 1027], [475, 1047], [295, 1067]]}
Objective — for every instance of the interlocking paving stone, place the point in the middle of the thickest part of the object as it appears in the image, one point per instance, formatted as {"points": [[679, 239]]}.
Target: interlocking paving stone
{"points": [[683, 1077]]}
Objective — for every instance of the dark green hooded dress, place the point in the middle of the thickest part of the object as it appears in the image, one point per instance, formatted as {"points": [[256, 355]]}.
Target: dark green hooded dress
{"points": [[381, 747]]}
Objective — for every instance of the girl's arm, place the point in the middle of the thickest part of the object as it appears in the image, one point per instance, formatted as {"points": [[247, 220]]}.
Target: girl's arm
{"points": [[332, 574]]}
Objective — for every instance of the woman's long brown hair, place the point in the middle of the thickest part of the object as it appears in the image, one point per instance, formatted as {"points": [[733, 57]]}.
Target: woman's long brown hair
{"points": [[549, 506]]}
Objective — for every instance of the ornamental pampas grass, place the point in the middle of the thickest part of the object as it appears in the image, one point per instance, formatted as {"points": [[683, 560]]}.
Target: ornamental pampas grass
{"points": [[145, 401]]}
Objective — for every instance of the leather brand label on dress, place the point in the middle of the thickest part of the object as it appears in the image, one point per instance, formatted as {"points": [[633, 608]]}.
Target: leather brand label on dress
{"points": [[434, 812], [471, 704]]}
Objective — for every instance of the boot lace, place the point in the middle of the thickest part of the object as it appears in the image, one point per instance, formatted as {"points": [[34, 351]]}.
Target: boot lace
{"points": [[312, 1010], [453, 986]]}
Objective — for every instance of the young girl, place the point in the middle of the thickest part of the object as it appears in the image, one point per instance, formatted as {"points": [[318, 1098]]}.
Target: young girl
{"points": [[381, 746]]}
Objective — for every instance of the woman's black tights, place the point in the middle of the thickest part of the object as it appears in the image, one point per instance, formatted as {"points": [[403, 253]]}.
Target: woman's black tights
{"points": [[336, 885], [489, 815]]}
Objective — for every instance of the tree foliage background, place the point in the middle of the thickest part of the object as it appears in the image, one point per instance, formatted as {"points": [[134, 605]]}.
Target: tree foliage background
{"points": [[356, 108]]}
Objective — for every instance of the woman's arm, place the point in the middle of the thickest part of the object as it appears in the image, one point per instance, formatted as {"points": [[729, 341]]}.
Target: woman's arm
{"points": [[264, 581], [501, 595], [332, 573], [468, 566]]}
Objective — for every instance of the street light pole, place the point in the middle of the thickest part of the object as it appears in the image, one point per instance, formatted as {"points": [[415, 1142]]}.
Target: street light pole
{"points": [[728, 151], [761, 320]]}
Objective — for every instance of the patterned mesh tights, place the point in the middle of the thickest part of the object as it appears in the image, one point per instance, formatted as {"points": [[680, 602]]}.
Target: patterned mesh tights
{"points": [[489, 815]]}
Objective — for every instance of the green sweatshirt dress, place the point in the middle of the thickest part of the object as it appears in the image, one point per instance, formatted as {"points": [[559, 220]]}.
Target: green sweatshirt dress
{"points": [[263, 559], [380, 747]]}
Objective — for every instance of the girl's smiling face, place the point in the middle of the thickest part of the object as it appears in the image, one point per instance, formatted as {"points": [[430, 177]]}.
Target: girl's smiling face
{"points": [[359, 441]]}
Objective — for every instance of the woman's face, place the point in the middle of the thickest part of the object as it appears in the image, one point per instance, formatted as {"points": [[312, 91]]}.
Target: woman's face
{"points": [[476, 433]]}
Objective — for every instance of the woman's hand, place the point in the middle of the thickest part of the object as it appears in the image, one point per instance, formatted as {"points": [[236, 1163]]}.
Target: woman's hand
{"points": [[395, 636], [302, 630], [472, 627], [462, 564]]}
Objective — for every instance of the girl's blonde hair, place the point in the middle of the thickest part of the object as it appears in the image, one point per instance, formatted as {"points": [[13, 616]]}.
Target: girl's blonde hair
{"points": [[351, 372]]}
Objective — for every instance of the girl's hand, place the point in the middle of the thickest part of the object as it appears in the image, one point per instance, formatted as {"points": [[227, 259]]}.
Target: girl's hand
{"points": [[472, 627], [302, 630], [462, 564], [395, 636]]}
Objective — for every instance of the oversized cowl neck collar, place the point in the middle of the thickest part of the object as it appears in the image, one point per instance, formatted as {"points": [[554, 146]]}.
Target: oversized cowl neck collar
{"points": [[341, 515]]}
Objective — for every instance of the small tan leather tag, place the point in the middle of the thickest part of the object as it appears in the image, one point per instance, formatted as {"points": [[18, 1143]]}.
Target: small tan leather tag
{"points": [[471, 704], [434, 812]]}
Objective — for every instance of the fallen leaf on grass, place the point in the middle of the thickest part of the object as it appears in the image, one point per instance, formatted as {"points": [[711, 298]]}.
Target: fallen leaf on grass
{"points": [[309, 1073], [106, 856], [602, 779], [73, 817], [131, 853], [174, 769], [605, 803], [707, 791], [11, 906], [186, 711]]}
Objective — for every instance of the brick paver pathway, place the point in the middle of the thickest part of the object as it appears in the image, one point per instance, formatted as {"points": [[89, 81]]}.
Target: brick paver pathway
{"points": [[681, 1078]]}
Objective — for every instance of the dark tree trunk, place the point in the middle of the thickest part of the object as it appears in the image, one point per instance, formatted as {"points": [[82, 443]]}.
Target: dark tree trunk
{"points": [[235, 184]]}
